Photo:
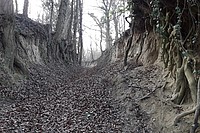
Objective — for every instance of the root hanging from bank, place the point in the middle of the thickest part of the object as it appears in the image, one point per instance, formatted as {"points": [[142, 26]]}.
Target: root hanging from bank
{"points": [[193, 89], [127, 50], [191, 81], [197, 111], [178, 117], [180, 85]]}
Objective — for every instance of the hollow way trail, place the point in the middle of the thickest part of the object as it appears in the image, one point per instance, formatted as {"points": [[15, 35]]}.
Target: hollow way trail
{"points": [[72, 100]]}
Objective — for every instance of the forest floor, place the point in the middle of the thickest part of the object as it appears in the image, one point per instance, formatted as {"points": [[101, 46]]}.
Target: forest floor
{"points": [[87, 100]]}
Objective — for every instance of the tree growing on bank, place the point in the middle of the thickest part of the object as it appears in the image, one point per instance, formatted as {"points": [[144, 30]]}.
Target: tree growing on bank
{"points": [[67, 41], [80, 43], [10, 61], [25, 8], [16, 6], [8, 39], [106, 8]]}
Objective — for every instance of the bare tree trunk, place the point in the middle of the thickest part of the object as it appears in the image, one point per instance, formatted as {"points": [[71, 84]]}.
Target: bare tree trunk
{"points": [[61, 28], [9, 45], [100, 25], [16, 6], [101, 40], [60, 25], [75, 30], [92, 54], [49, 45], [116, 23], [108, 37], [25, 8], [80, 31], [69, 34], [124, 25], [107, 7], [6, 8]]}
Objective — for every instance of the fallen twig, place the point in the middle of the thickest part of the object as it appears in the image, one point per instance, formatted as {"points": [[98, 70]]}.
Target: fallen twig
{"points": [[148, 95]]}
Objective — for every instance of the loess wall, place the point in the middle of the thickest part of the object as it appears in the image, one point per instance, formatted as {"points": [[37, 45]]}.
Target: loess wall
{"points": [[30, 47], [31, 40], [144, 48]]}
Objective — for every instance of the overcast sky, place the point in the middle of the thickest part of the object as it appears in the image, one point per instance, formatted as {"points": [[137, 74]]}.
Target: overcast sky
{"points": [[35, 7]]}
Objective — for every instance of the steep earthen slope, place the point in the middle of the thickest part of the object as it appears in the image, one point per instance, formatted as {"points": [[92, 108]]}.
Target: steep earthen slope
{"points": [[30, 43]]}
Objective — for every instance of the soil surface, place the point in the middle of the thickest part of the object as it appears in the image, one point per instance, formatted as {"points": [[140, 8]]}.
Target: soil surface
{"points": [[112, 99]]}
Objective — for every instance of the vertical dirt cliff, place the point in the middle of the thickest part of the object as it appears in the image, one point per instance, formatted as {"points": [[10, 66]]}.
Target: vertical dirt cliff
{"points": [[30, 40]]}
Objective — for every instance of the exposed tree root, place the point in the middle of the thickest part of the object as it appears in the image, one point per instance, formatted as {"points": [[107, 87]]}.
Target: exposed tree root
{"points": [[127, 50], [148, 95], [197, 111], [193, 89], [180, 85], [140, 49], [191, 81], [178, 117]]}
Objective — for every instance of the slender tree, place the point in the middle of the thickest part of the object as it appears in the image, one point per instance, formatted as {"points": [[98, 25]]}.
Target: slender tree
{"points": [[106, 7], [75, 28], [112, 10], [100, 25], [25, 8], [91, 52], [50, 11], [115, 18], [16, 6], [80, 31], [69, 34], [49, 45]]}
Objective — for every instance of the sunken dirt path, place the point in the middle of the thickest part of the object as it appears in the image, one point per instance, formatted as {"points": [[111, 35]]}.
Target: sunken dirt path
{"points": [[73, 100]]}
